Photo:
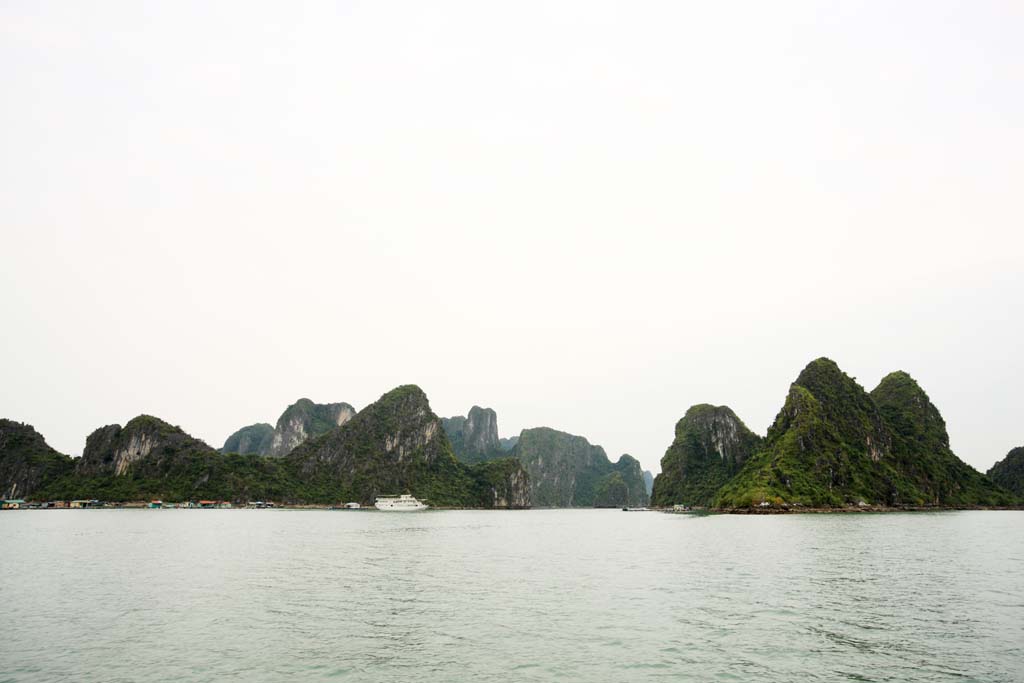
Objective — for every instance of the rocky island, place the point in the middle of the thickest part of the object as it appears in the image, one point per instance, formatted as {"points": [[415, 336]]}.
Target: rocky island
{"points": [[1009, 472], [394, 445], [710, 447], [832, 446], [564, 470], [27, 462]]}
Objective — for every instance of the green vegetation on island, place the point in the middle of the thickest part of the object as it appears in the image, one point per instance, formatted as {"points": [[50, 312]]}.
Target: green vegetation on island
{"points": [[567, 471], [934, 475], [564, 470], [474, 438], [832, 445], [1009, 472], [252, 440], [710, 447], [395, 445], [27, 462], [835, 445], [300, 421]]}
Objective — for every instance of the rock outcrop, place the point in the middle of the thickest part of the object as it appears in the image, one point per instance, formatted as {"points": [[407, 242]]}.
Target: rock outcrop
{"points": [[474, 438], [711, 445], [252, 440], [149, 458], [392, 446], [502, 483], [299, 422], [27, 462], [567, 471], [145, 441], [1009, 472], [648, 482], [305, 420]]}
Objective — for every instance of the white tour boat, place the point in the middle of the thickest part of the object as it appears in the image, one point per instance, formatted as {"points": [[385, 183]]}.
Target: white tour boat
{"points": [[402, 503]]}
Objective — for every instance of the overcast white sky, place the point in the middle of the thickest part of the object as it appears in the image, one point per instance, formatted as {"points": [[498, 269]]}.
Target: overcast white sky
{"points": [[584, 215]]}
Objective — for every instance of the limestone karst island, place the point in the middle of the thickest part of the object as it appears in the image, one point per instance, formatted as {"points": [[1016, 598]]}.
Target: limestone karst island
{"points": [[833, 446]]}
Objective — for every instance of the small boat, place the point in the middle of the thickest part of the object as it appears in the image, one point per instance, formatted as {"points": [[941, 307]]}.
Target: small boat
{"points": [[352, 506], [402, 503]]}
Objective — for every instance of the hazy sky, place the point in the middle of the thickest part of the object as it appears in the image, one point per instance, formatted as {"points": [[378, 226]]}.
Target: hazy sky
{"points": [[584, 215]]}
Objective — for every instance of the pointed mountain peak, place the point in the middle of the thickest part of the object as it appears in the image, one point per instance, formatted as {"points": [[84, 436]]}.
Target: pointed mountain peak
{"points": [[822, 371]]}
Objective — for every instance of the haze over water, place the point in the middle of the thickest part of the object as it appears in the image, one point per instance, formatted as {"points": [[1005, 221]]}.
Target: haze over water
{"points": [[542, 595]]}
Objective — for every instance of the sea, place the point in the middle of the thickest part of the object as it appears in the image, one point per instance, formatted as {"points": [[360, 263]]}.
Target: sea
{"points": [[533, 595]]}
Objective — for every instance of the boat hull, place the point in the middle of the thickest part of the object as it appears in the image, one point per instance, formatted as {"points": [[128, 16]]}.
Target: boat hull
{"points": [[401, 508], [403, 503]]}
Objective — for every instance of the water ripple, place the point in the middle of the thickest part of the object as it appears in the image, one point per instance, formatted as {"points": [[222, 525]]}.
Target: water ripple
{"points": [[545, 595]]}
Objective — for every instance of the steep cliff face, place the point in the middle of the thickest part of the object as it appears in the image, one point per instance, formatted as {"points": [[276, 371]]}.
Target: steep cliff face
{"points": [[27, 462], [648, 482], [481, 431], [252, 440], [474, 438], [933, 474], [305, 420], [392, 446], [567, 471], [711, 445], [1009, 472], [502, 483]]}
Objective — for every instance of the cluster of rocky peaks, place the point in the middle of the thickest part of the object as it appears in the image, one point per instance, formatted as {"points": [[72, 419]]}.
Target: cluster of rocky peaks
{"points": [[833, 444], [329, 452], [564, 470], [300, 421], [394, 445], [140, 451]]}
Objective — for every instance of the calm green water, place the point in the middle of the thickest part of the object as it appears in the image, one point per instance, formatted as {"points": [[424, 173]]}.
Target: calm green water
{"points": [[560, 595]]}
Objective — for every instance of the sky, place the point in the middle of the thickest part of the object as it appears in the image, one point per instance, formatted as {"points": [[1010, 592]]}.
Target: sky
{"points": [[585, 215]]}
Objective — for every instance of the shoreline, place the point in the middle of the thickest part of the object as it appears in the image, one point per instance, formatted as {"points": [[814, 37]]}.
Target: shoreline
{"points": [[871, 509], [793, 510]]}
